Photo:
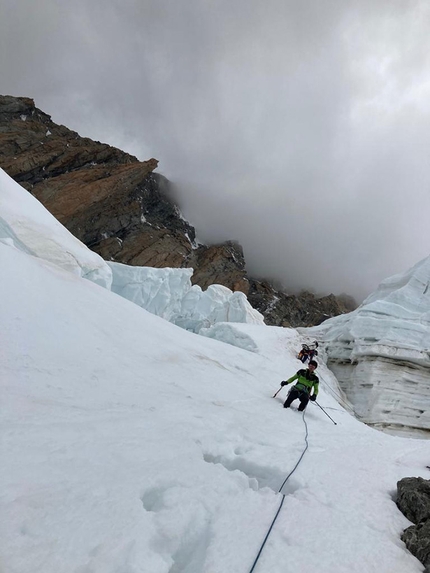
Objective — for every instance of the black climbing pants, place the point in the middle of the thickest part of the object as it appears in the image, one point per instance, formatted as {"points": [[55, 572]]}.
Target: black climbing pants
{"points": [[293, 395]]}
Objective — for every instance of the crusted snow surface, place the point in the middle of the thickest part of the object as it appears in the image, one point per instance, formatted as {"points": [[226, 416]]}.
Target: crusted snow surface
{"points": [[131, 445]]}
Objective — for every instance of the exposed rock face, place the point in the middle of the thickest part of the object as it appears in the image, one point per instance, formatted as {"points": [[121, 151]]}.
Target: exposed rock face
{"points": [[124, 211], [218, 264], [413, 500], [112, 202], [281, 309], [417, 540], [33, 148]]}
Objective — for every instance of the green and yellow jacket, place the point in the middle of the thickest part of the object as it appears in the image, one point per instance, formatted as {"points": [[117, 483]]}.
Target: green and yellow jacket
{"points": [[306, 381]]}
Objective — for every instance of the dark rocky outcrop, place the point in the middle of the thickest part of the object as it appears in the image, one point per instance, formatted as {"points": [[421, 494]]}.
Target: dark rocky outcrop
{"points": [[220, 264], [123, 210], [413, 500], [281, 309], [112, 202]]}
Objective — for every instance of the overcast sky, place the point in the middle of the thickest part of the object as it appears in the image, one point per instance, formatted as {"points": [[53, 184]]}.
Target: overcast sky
{"points": [[299, 128]]}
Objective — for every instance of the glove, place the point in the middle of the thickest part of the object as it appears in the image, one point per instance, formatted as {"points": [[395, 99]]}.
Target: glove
{"points": [[313, 398], [284, 383]]}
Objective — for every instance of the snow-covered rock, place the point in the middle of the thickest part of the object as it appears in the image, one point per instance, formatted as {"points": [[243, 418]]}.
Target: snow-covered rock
{"points": [[27, 225], [380, 353], [169, 293]]}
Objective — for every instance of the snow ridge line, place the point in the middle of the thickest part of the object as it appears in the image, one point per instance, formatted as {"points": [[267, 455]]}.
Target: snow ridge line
{"points": [[283, 495]]}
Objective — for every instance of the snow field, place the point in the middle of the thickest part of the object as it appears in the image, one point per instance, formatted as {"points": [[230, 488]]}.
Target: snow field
{"points": [[132, 446]]}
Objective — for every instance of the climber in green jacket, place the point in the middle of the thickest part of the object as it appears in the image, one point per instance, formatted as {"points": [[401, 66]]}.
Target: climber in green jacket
{"points": [[306, 382]]}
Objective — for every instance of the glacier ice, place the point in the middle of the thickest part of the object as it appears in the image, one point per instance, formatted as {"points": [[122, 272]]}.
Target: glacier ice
{"points": [[169, 293], [380, 353]]}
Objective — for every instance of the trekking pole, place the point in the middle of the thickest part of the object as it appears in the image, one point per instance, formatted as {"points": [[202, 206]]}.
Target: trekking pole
{"points": [[274, 395], [335, 423]]}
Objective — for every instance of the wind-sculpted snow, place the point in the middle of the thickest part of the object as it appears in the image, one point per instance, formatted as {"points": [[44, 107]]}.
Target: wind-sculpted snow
{"points": [[26, 224], [168, 293], [380, 353]]}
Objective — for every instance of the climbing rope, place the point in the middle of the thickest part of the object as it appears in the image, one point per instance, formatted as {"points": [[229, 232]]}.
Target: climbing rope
{"points": [[283, 496]]}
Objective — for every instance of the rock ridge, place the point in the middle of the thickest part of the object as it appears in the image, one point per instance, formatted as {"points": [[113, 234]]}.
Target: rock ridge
{"points": [[124, 211]]}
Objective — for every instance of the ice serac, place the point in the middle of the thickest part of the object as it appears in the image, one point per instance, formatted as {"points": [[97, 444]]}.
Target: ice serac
{"points": [[169, 293], [27, 225], [380, 353]]}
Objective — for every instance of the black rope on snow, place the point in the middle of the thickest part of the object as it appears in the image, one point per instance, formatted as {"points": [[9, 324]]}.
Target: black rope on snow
{"points": [[301, 457], [283, 496], [267, 534]]}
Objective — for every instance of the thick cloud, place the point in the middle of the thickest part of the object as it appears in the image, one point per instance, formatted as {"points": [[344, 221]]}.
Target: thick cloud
{"points": [[299, 128]]}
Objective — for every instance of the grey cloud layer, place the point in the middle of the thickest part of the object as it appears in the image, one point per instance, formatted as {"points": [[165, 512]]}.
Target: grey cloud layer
{"points": [[299, 128]]}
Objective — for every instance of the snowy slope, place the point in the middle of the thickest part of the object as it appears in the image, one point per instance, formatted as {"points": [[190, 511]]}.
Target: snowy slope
{"points": [[381, 352], [130, 445], [25, 223]]}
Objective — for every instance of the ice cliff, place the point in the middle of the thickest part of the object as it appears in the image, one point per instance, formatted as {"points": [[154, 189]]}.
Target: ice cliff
{"points": [[169, 294], [165, 292], [380, 353]]}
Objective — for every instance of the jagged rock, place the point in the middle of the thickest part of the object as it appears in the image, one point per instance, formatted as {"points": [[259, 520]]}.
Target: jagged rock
{"points": [[413, 500], [281, 309], [33, 148], [220, 262], [417, 540], [125, 212], [112, 202]]}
